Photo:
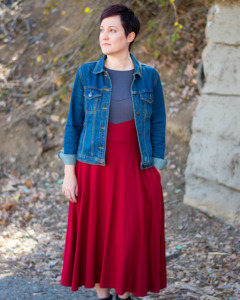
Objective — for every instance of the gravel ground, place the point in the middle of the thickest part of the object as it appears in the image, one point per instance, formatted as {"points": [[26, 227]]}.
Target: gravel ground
{"points": [[16, 288]]}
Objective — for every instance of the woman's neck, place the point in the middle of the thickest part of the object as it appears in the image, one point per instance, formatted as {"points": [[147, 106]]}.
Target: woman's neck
{"points": [[120, 63]]}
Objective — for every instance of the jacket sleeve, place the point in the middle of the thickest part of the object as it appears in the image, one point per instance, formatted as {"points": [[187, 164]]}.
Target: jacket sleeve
{"points": [[74, 123], [158, 125]]}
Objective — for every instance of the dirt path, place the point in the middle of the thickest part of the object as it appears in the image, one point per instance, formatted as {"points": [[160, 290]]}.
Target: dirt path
{"points": [[24, 288], [202, 252]]}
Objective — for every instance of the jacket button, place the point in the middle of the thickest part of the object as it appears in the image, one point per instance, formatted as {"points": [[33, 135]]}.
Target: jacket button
{"points": [[143, 152], [138, 113], [139, 132]]}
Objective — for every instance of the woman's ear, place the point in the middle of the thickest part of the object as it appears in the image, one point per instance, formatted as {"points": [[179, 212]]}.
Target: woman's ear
{"points": [[131, 36]]}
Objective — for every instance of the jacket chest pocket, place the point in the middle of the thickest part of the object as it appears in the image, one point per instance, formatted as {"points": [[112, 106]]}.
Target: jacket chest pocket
{"points": [[146, 102], [92, 99]]}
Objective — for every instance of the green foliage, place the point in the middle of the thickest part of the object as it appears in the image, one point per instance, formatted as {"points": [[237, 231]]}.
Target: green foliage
{"points": [[50, 6], [169, 48], [150, 41], [41, 93], [156, 54], [175, 36], [162, 2], [153, 24], [155, 30], [64, 91]]}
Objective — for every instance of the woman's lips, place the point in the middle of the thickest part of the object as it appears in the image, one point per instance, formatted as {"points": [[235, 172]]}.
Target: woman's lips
{"points": [[106, 44]]}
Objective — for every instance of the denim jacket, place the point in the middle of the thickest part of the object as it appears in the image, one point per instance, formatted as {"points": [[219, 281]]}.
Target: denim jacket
{"points": [[87, 122]]}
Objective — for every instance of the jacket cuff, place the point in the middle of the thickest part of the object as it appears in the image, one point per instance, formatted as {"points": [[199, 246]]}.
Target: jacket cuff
{"points": [[68, 159], [159, 163]]}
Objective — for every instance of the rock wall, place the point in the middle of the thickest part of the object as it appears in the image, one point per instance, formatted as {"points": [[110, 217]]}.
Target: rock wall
{"points": [[213, 166]]}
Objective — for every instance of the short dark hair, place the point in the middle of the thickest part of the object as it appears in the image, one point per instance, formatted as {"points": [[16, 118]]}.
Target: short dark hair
{"points": [[129, 20]]}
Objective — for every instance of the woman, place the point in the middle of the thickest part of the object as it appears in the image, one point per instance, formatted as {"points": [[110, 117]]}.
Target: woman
{"points": [[113, 147]]}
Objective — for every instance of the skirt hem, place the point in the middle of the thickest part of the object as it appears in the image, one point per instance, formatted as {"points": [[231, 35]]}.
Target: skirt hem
{"points": [[112, 286]]}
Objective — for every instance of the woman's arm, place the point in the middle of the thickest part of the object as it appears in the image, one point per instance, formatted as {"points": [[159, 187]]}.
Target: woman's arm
{"points": [[74, 123], [158, 125], [71, 139]]}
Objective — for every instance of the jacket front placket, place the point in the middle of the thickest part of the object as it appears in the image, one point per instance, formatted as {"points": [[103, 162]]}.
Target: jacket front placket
{"points": [[107, 91]]}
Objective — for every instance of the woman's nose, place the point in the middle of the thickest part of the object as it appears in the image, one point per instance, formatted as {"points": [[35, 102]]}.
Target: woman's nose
{"points": [[104, 35]]}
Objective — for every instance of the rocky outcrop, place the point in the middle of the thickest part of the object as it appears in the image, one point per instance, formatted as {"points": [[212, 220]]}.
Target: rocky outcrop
{"points": [[213, 167]]}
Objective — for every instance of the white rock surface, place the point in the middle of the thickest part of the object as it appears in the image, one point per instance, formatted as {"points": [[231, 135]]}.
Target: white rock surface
{"points": [[213, 167]]}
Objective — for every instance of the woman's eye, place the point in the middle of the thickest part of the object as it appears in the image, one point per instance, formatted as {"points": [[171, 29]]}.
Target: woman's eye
{"points": [[110, 30]]}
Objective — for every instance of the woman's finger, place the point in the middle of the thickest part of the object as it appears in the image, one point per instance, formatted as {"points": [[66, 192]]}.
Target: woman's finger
{"points": [[73, 197], [67, 194], [76, 190]]}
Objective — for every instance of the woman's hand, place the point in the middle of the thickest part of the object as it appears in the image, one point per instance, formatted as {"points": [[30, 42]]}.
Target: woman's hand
{"points": [[70, 185], [159, 171]]}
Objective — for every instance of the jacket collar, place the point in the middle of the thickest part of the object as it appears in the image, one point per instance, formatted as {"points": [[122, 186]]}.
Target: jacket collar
{"points": [[100, 65]]}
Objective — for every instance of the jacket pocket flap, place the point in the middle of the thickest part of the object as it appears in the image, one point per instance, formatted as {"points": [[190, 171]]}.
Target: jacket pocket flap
{"points": [[91, 93], [147, 96]]}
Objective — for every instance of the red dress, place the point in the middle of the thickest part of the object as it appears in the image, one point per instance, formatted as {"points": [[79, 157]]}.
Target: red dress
{"points": [[115, 232]]}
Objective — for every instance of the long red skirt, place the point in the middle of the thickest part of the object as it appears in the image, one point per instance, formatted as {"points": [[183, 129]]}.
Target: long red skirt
{"points": [[115, 232]]}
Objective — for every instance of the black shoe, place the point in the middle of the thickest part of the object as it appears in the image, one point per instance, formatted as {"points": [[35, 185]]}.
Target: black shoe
{"points": [[109, 298], [117, 298]]}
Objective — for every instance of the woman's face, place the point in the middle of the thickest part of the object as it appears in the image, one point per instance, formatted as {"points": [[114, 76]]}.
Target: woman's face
{"points": [[112, 38]]}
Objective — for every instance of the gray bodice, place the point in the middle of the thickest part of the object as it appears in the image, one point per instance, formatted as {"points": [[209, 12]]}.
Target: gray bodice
{"points": [[121, 106]]}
